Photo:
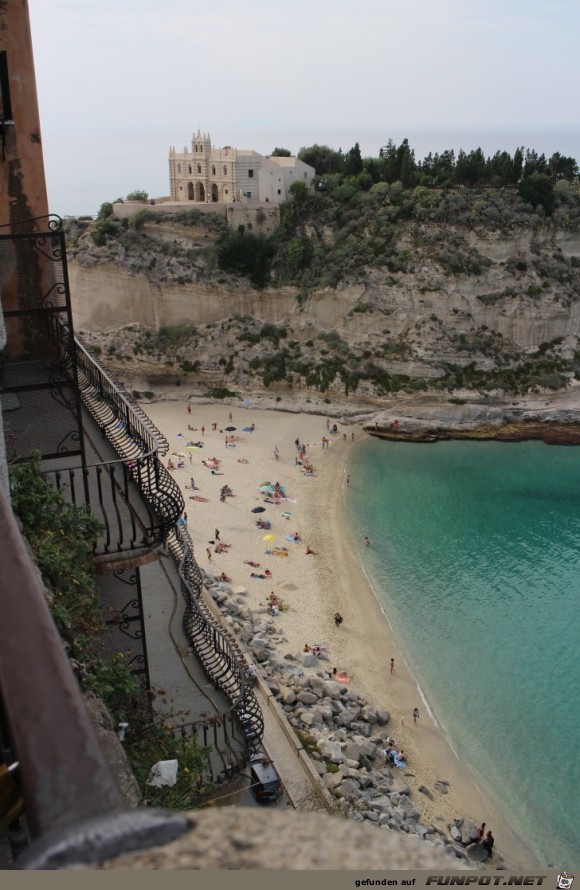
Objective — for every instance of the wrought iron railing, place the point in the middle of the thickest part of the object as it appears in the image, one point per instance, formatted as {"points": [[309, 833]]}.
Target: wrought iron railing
{"points": [[136, 498], [115, 414], [51, 762], [219, 653], [113, 493]]}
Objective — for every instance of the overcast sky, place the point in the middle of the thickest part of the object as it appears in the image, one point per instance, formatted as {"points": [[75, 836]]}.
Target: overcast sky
{"points": [[119, 81]]}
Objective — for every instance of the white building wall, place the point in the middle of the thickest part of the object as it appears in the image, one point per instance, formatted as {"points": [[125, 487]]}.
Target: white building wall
{"points": [[224, 175]]}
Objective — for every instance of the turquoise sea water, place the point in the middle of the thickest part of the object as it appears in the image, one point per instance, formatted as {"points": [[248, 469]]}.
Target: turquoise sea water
{"points": [[475, 558]]}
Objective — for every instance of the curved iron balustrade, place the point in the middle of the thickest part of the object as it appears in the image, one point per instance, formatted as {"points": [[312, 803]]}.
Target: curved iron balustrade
{"points": [[219, 652], [122, 422]]}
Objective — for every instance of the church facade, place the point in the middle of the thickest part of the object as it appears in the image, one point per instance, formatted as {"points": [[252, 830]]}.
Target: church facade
{"points": [[208, 175]]}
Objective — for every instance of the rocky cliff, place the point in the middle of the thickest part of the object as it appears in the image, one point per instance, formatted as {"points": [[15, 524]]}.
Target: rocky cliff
{"points": [[463, 308]]}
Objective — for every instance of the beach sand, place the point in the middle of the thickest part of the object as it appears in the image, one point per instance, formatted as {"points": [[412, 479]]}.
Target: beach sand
{"points": [[314, 587]]}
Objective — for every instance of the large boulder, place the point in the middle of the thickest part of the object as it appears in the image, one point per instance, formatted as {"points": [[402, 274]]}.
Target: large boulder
{"points": [[331, 751], [288, 696], [307, 698], [477, 852], [469, 832]]}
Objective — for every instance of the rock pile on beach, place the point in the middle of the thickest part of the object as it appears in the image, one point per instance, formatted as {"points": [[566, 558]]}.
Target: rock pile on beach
{"points": [[342, 733]]}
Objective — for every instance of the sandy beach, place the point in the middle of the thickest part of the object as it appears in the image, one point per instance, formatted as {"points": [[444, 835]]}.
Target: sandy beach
{"points": [[312, 587]]}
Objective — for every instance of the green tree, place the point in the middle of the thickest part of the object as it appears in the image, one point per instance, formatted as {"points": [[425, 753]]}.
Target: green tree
{"points": [[562, 167], [138, 195], [518, 163], [322, 158], [538, 191], [105, 210], [353, 161], [247, 254], [281, 153]]}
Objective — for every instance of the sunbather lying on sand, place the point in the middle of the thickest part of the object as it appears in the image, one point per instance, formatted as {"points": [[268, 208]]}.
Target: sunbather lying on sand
{"points": [[255, 565]]}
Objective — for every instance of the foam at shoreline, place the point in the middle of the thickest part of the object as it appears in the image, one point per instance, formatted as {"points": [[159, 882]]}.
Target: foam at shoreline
{"points": [[315, 587]]}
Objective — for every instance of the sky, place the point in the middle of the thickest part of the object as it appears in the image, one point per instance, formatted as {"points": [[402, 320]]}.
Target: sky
{"points": [[120, 81]]}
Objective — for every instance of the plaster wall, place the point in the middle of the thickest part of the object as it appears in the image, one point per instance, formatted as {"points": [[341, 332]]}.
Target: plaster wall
{"points": [[22, 182]]}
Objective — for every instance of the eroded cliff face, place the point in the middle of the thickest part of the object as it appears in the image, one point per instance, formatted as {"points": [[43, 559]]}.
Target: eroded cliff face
{"points": [[465, 309], [107, 295]]}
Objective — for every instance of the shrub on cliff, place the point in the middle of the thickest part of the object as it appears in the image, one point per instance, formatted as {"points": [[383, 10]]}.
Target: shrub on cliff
{"points": [[247, 254]]}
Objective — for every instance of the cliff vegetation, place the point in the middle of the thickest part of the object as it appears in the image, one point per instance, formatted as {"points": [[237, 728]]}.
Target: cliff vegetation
{"points": [[455, 274]]}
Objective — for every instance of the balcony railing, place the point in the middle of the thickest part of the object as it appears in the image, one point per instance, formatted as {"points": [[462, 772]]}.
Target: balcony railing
{"points": [[74, 810], [128, 430], [218, 651], [71, 801]]}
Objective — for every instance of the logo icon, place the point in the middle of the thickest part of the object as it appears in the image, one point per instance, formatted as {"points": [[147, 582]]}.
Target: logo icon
{"points": [[565, 880]]}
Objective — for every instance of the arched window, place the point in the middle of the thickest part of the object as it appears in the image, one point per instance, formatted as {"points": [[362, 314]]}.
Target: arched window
{"points": [[225, 170], [179, 168], [199, 168], [189, 168], [213, 170]]}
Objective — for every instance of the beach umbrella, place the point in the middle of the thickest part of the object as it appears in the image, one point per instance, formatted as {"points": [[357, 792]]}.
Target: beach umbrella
{"points": [[231, 429], [269, 538], [266, 487], [258, 510], [264, 484]]}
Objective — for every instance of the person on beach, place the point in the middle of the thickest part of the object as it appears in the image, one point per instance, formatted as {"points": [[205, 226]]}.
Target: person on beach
{"points": [[217, 534], [338, 619], [230, 418], [214, 427], [367, 542], [224, 577], [392, 665], [481, 830], [415, 714], [203, 431], [208, 551], [488, 842], [348, 481], [276, 453], [189, 409], [309, 551]]}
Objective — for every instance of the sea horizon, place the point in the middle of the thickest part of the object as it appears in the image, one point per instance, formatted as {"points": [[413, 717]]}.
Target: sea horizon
{"points": [[116, 169]]}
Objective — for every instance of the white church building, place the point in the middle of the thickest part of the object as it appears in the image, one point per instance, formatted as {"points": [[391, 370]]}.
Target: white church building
{"points": [[207, 175]]}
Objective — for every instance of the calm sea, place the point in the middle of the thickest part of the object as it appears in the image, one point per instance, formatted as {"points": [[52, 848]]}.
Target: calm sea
{"points": [[475, 559]]}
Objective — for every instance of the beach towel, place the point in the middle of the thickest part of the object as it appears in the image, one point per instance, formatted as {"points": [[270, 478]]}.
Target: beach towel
{"points": [[198, 498], [247, 429], [400, 764]]}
